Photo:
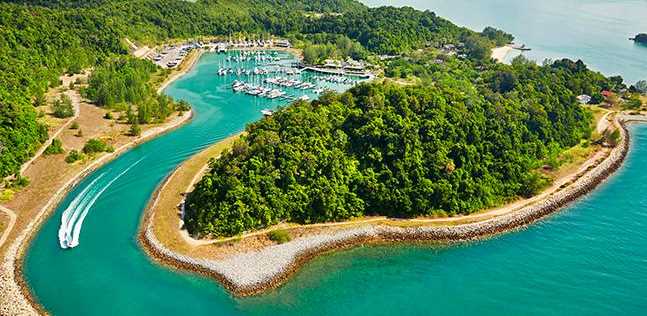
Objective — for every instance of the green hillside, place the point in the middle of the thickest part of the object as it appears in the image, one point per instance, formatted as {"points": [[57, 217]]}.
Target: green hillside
{"points": [[43, 39]]}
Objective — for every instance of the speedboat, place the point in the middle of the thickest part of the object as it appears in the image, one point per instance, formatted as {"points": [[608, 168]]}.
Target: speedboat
{"points": [[267, 112]]}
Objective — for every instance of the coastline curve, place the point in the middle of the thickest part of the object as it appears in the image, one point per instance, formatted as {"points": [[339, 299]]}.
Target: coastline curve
{"points": [[16, 297], [257, 271]]}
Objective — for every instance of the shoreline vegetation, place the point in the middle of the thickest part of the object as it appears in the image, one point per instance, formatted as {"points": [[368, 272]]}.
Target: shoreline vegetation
{"points": [[251, 263], [261, 264], [248, 268], [15, 296], [244, 273]]}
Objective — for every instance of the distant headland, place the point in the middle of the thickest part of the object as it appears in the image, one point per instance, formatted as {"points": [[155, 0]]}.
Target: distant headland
{"points": [[640, 38]]}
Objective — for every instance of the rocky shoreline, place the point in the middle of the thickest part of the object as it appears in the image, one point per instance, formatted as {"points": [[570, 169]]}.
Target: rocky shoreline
{"points": [[254, 272]]}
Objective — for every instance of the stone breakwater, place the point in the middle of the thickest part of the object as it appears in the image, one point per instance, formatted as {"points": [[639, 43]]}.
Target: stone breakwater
{"points": [[254, 272]]}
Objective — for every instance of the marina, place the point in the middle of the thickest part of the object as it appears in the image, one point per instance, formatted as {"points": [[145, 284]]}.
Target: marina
{"points": [[274, 75], [106, 212], [170, 56]]}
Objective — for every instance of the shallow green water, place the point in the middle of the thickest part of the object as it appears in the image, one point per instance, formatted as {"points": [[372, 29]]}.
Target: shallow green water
{"points": [[596, 31], [589, 259]]}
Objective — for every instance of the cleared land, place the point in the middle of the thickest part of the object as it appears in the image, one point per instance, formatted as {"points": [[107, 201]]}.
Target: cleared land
{"points": [[48, 172], [51, 177]]}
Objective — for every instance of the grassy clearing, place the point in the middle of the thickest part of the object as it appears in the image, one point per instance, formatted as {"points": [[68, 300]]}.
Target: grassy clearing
{"points": [[279, 236], [6, 194], [571, 159]]}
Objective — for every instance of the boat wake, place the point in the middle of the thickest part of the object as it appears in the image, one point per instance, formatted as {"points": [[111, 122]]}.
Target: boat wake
{"points": [[74, 215]]}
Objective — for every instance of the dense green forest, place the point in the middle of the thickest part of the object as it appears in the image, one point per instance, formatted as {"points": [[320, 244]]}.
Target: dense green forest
{"points": [[41, 39], [319, 47], [469, 139], [123, 84]]}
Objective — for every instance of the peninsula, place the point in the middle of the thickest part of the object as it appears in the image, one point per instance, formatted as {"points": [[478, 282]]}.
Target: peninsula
{"points": [[286, 129], [252, 260]]}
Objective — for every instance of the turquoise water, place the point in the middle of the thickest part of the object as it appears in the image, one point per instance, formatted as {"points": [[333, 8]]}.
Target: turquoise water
{"points": [[108, 273], [589, 259], [596, 31]]}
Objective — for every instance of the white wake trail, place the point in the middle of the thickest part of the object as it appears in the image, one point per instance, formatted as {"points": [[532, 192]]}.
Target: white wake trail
{"points": [[77, 210], [79, 200], [73, 239]]}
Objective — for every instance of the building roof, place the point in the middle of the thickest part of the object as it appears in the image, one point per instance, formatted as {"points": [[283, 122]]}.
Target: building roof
{"points": [[607, 93]]}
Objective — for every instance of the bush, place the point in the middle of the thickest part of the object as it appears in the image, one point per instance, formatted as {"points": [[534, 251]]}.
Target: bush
{"points": [[63, 107], [107, 116], [613, 138], [95, 145], [533, 183], [19, 182], [596, 98], [135, 130], [632, 103], [73, 156], [279, 236], [75, 125], [182, 106], [55, 148], [40, 100]]}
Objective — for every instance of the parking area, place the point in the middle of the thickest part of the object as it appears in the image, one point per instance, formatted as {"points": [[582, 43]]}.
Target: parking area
{"points": [[171, 56]]}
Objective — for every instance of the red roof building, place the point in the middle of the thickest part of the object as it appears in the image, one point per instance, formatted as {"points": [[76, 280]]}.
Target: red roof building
{"points": [[607, 93]]}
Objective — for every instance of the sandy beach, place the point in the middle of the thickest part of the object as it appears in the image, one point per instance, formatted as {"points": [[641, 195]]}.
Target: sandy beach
{"points": [[499, 53]]}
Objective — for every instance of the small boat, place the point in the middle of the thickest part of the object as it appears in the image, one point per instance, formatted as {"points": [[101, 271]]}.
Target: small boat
{"points": [[267, 112], [521, 47]]}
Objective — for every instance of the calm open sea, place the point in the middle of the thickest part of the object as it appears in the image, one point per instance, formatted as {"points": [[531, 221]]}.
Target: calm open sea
{"points": [[596, 31]]}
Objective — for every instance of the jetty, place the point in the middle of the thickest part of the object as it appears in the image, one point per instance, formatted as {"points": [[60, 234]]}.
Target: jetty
{"points": [[520, 47], [259, 91]]}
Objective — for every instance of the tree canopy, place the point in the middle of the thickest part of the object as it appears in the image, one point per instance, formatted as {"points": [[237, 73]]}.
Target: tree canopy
{"points": [[467, 139], [42, 39]]}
